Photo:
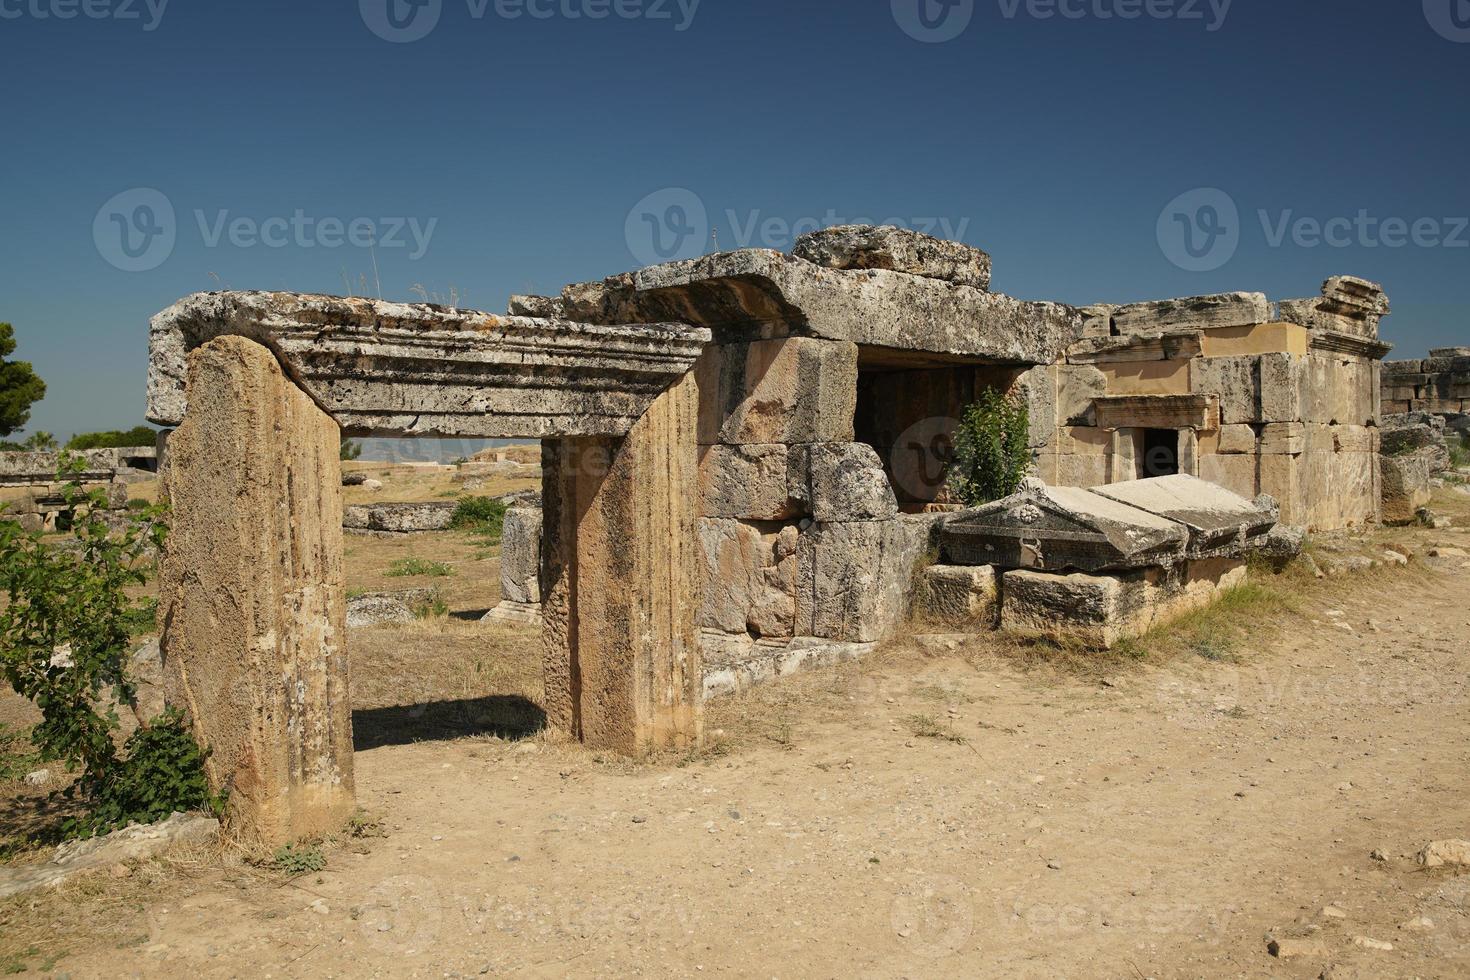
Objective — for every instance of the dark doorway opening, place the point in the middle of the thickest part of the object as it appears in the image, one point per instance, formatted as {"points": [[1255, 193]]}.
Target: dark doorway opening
{"points": [[1160, 452]]}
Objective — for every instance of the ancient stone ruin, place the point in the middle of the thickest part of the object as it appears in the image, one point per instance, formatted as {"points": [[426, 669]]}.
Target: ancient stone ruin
{"points": [[743, 475], [1426, 403], [31, 494]]}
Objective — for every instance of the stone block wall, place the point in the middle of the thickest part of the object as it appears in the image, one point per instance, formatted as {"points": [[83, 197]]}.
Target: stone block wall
{"points": [[1438, 385], [805, 553], [1282, 400]]}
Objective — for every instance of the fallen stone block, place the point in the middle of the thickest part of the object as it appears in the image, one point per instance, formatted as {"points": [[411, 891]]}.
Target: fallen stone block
{"points": [[1444, 854], [1405, 486], [412, 518], [380, 608], [897, 250], [138, 842], [960, 595]]}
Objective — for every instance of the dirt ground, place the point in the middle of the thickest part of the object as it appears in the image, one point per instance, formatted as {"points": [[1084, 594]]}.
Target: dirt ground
{"points": [[950, 807]]}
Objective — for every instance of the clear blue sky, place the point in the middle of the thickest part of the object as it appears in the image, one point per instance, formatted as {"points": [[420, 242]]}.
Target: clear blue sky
{"points": [[1056, 143]]}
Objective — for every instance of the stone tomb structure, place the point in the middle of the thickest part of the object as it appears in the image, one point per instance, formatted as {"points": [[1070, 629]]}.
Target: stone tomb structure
{"points": [[31, 495], [743, 461], [1096, 566]]}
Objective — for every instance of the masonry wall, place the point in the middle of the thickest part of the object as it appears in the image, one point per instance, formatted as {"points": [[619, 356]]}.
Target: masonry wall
{"points": [[1439, 384], [805, 552], [1267, 408]]}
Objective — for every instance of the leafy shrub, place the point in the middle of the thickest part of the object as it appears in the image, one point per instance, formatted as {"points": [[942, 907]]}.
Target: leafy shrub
{"points": [[163, 771], [138, 435], [484, 515], [299, 859], [350, 450], [411, 567], [991, 456], [65, 642]]}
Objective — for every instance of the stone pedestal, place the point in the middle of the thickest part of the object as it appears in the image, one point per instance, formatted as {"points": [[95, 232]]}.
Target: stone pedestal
{"points": [[621, 592], [252, 596]]}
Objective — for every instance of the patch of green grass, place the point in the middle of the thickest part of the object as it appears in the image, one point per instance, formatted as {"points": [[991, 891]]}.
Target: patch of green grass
{"points": [[142, 618], [18, 755], [432, 608], [927, 726], [483, 515], [414, 567], [299, 859]]}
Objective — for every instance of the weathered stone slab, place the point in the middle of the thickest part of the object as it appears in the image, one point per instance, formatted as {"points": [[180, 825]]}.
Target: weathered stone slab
{"points": [[738, 663], [749, 482], [137, 842], [961, 595], [520, 555], [733, 554], [1060, 529], [397, 369], [854, 579], [842, 481], [789, 391], [409, 518], [254, 644], [897, 250], [1199, 412], [380, 608], [1406, 487], [1100, 610], [1193, 313], [1237, 438], [1216, 518], [769, 294]]}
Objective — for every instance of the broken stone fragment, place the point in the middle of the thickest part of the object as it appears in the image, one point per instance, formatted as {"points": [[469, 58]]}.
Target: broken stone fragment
{"points": [[960, 595], [1444, 854], [897, 250], [520, 555], [542, 307], [1193, 313]]}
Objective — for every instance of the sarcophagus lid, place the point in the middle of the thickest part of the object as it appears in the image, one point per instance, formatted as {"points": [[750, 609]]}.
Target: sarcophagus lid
{"points": [[1057, 529], [1217, 519]]}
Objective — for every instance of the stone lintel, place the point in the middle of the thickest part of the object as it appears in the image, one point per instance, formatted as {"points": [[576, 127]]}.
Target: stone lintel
{"points": [[397, 369], [1198, 412], [760, 293]]}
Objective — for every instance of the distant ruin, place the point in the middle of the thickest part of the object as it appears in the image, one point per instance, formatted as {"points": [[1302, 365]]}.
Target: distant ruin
{"points": [[31, 493], [743, 474]]}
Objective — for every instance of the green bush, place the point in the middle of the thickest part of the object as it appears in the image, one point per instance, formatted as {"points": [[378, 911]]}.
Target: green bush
{"points": [[138, 435], [483, 515], [349, 450], [66, 637], [991, 456]]}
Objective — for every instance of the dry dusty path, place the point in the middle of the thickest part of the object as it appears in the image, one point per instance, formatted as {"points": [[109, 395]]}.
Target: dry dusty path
{"points": [[1156, 825]]}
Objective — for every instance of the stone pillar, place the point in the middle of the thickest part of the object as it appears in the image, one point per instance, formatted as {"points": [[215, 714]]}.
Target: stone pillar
{"points": [[252, 596], [622, 667], [1123, 460]]}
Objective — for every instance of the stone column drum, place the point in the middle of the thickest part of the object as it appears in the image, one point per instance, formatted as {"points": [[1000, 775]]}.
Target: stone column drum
{"points": [[622, 665], [252, 597]]}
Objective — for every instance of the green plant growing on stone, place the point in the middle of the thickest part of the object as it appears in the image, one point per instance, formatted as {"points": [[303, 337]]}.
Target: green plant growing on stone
{"points": [[991, 455], [65, 641]]}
